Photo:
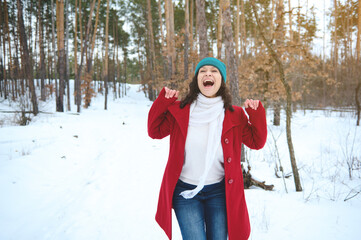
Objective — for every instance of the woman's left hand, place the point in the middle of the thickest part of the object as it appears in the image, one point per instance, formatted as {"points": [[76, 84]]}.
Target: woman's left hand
{"points": [[251, 103]]}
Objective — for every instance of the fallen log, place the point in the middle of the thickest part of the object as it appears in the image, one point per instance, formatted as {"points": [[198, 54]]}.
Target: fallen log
{"points": [[250, 181]]}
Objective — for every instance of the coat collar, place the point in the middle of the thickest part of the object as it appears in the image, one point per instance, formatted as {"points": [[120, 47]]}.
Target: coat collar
{"points": [[231, 119]]}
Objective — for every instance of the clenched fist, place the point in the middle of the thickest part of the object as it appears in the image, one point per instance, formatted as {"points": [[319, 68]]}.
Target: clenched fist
{"points": [[169, 93], [251, 103]]}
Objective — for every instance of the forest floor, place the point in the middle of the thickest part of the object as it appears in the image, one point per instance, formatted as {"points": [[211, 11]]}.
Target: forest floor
{"points": [[96, 175]]}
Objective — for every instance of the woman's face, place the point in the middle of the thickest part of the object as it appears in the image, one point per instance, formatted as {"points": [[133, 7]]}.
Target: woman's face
{"points": [[209, 80]]}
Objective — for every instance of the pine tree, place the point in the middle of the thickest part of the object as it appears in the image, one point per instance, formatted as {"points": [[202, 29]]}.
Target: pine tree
{"points": [[61, 54], [25, 57], [202, 28]]}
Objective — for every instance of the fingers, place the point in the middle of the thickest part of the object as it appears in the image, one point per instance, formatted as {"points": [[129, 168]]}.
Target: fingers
{"points": [[169, 93], [250, 103]]}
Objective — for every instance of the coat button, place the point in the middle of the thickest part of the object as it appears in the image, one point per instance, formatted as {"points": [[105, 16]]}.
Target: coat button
{"points": [[226, 140], [230, 181], [229, 160]]}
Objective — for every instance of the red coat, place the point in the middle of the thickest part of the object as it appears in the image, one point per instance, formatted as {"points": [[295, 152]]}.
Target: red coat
{"points": [[167, 118]]}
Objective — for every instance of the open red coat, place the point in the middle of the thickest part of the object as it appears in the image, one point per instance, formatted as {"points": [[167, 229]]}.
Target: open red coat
{"points": [[167, 118]]}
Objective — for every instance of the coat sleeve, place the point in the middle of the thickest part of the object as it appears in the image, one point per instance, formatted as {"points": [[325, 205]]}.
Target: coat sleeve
{"points": [[159, 118], [255, 131]]}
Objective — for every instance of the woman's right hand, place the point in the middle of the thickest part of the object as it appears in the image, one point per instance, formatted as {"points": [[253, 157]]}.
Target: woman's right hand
{"points": [[169, 93]]}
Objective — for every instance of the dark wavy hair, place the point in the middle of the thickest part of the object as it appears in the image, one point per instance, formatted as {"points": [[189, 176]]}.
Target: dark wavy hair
{"points": [[194, 91]]}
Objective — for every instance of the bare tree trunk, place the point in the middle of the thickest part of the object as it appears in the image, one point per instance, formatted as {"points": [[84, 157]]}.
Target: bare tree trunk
{"points": [[67, 72], [151, 57], [243, 31], [160, 22], [191, 41], [88, 89], [186, 40], [232, 69], [219, 35], [125, 70], [168, 39], [116, 62], [105, 69], [83, 49], [288, 90], [236, 35], [6, 33], [42, 55], [76, 80], [231, 59], [2, 62], [279, 37], [290, 20], [173, 51], [163, 40], [324, 52], [272, 20], [358, 87], [25, 57], [61, 54], [335, 49], [276, 114], [54, 62], [202, 28]]}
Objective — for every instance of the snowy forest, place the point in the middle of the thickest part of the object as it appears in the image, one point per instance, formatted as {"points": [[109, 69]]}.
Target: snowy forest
{"points": [[101, 43], [77, 79]]}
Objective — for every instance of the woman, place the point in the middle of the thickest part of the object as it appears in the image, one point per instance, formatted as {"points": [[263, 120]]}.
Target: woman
{"points": [[203, 179]]}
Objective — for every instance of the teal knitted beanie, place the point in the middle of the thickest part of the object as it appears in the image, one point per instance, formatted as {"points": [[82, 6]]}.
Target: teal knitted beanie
{"points": [[210, 61]]}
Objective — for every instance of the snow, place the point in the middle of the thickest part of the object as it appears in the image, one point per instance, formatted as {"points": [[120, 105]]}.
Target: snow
{"points": [[96, 175]]}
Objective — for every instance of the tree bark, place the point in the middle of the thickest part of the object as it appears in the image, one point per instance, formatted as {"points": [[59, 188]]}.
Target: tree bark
{"points": [[42, 55], [219, 35], [115, 62], [5, 33], [125, 51], [106, 57], [335, 46], [279, 35], [231, 60], [243, 31], [83, 50], [288, 90], [236, 35], [232, 70], [163, 49], [191, 38], [173, 50], [2, 63], [67, 72], [358, 75], [202, 28], [151, 57], [276, 114], [54, 62], [168, 39], [61, 54], [77, 80], [186, 40], [290, 20], [88, 89], [161, 22], [25, 57]]}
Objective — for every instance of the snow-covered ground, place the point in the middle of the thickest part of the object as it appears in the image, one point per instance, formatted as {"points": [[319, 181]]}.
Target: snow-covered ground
{"points": [[96, 175]]}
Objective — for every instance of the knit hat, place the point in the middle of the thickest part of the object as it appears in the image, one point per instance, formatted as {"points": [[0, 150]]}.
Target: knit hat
{"points": [[213, 62]]}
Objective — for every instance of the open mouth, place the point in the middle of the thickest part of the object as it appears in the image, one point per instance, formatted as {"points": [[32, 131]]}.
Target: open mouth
{"points": [[207, 83]]}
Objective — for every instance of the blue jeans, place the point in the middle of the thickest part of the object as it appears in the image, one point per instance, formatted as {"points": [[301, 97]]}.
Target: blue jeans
{"points": [[203, 217]]}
